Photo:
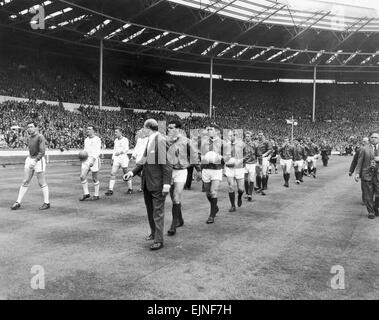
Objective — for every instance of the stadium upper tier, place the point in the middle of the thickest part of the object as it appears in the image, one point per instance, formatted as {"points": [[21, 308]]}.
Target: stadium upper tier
{"points": [[260, 39], [337, 15]]}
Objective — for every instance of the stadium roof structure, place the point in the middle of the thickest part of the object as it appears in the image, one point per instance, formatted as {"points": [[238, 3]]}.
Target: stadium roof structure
{"points": [[255, 39]]}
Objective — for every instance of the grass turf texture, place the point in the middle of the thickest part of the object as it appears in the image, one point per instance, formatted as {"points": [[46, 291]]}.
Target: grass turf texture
{"points": [[281, 246]]}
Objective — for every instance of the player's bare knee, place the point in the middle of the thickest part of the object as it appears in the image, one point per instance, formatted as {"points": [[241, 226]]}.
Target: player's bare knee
{"points": [[213, 194]]}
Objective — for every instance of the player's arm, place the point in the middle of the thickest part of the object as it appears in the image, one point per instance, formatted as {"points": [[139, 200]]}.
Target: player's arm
{"points": [[126, 147], [270, 149], [193, 154], [41, 147], [227, 150]]}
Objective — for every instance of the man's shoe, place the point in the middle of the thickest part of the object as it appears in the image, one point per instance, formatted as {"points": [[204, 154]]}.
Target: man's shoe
{"points": [[210, 220], [297, 181], [16, 206], [232, 209], [249, 198], [263, 193], [156, 246], [371, 216], [140, 190], [377, 213], [45, 206], [95, 198], [239, 201], [301, 180], [150, 237], [130, 191], [171, 231], [84, 197], [286, 185], [109, 193]]}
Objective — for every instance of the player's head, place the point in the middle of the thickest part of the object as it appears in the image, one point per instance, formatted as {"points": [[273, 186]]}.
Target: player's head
{"points": [[151, 126], [212, 130], [31, 127], [174, 127], [261, 136], [118, 132], [91, 129], [374, 137], [248, 136], [365, 141]]}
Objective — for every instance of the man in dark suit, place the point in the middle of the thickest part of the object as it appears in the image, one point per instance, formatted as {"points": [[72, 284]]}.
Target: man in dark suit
{"points": [[367, 170], [365, 142], [156, 180]]}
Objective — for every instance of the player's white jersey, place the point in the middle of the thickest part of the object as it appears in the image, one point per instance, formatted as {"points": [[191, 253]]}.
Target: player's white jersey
{"points": [[93, 146], [121, 146]]}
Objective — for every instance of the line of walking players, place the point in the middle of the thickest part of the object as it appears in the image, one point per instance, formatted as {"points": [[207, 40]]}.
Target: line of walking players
{"points": [[244, 161]]}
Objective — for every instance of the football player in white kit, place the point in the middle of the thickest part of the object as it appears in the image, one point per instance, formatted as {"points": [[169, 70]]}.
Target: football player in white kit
{"points": [[119, 159], [92, 145]]}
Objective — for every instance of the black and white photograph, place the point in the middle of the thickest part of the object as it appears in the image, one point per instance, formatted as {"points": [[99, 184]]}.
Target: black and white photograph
{"points": [[189, 154]]}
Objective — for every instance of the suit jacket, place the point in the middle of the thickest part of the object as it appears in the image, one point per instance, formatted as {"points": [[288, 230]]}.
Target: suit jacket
{"points": [[366, 155], [156, 170]]}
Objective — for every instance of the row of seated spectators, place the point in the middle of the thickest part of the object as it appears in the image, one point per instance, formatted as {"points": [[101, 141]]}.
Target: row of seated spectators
{"points": [[65, 129]]}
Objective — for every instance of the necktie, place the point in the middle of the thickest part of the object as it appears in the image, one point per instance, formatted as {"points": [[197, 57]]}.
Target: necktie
{"points": [[210, 145]]}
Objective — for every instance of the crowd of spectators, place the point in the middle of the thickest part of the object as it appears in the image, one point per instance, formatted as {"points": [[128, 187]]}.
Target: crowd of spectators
{"points": [[342, 111], [65, 80]]}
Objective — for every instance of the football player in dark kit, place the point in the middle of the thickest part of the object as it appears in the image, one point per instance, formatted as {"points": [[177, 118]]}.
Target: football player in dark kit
{"points": [[299, 157], [181, 154], [34, 163], [273, 157], [286, 157], [313, 151], [212, 165], [265, 150], [325, 153], [234, 166], [251, 162]]}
